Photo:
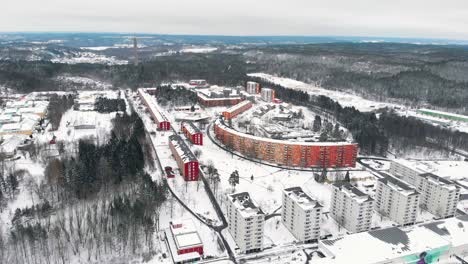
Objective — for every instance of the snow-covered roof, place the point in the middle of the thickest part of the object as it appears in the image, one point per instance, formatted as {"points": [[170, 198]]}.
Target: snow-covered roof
{"points": [[382, 245], [454, 229], [442, 182], [192, 129], [11, 144], [185, 234], [205, 95], [152, 104], [182, 149], [353, 192], [221, 124], [238, 106], [417, 166], [244, 204], [301, 198], [397, 185]]}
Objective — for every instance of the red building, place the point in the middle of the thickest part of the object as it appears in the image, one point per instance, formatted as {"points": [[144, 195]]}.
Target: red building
{"points": [[193, 133], [237, 109], [221, 101], [187, 162], [156, 113], [185, 244], [288, 153]]}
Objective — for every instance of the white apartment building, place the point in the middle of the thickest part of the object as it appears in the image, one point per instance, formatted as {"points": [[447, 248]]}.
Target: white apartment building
{"points": [[246, 222], [253, 88], [438, 195], [396, 200], [268, 95], [351, 208], [301, 215], [407, 171]]}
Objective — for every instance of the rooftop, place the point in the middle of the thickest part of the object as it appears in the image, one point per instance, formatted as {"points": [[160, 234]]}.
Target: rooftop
{"points": [[185, 234], [245, 204], [238, 106], [184, 151], [191, 128], [397, 184], [353, 192], [301, 198]]}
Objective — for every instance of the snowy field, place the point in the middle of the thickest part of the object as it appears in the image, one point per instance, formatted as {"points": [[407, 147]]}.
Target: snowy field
{"points": [[89, 57], [345, 99]]}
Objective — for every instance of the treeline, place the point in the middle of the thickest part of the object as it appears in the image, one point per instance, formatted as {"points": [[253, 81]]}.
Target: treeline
{"points": [[221, 69], [106, 105], [363, 126], [413, 74], [58, 105], [410, 131], [103, 206], [177, 96]]}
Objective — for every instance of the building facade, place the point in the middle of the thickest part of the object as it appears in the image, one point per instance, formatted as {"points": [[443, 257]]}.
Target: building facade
{"points": [[246, 222], [192, 132], [252, 88], [301, 215], [439, 196], [351, 208], [396, 200], [237, 109], [186, 161], [406, 171], [217, 101], [287, 153], [268, 95]]}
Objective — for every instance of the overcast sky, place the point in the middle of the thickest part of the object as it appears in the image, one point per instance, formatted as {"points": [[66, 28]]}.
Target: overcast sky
{"points": [[390, 18]]}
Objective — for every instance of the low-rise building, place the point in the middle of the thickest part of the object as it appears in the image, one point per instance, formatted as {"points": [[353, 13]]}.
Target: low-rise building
{"points": [[237, 109], [351, 208], [396, 200], [184, 242], [193, 133], [186, 160], [301, 215], [245, 221]]}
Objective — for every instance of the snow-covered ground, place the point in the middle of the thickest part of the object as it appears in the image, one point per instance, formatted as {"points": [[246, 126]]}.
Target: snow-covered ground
{"points": [[89, 57], [195, 49], [345, 99], [84, 81]]}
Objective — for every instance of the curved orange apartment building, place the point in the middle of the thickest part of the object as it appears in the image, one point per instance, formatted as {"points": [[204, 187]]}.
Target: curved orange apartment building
{"points": [[288, 153]]}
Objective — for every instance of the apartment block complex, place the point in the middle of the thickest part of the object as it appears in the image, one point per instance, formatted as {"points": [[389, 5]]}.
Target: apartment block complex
{"points": [[186, 160], [252, 88], [245, 221], [409, 172], [351, 208], [301, 215], [283, 152], [396, 200], [237, 109]]}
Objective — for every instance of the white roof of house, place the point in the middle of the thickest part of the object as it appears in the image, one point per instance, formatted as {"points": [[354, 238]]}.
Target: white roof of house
{"points": [[185, 234], [10, 144], [192, 129], [238, 106], [182, 149]]}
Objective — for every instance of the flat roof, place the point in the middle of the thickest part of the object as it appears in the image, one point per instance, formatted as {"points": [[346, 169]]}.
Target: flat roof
{"points": [[383, 245], [173, 250], [440, 180], [152, 104], [397, 184], [454, 229], [301, 198], [353, 192], [245, 204]]}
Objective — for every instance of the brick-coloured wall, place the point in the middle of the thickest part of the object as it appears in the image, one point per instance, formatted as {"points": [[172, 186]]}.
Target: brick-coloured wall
{"points": [[326, 155]]}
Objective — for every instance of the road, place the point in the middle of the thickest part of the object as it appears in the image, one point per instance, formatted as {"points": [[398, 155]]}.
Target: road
{"points": [[217, 229]]}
